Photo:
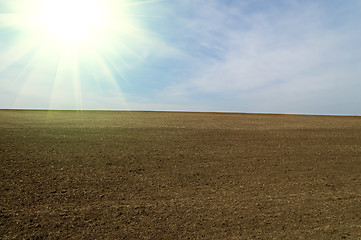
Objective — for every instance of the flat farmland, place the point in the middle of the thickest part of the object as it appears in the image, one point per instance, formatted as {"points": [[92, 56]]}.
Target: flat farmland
{"points": [[168, 175]]}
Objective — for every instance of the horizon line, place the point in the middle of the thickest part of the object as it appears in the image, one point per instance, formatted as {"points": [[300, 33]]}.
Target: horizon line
{"points": [[177, 111]]}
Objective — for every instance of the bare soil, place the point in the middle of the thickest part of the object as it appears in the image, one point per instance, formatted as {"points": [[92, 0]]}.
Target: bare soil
{"points": [[161, 175]]}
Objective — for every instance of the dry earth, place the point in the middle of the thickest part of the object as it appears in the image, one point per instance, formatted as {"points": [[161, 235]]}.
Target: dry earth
{"points": [[151, 175]]}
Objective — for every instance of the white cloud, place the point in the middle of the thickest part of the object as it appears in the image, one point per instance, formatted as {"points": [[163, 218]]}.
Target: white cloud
{"points": [[274, 55]]}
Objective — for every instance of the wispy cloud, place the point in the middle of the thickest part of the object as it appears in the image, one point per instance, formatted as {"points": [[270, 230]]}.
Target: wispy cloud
{"points": [[273, 55]]}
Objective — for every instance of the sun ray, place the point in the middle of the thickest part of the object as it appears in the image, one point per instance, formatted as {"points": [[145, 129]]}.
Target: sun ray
{"points": [[119, 71], [17, 51], [23, 78], [104, 70], [77, 85], [35, 74], [55, 82]]}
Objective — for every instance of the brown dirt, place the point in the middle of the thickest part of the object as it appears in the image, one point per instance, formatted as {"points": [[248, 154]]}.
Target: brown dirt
{"points": [[151, 175]]}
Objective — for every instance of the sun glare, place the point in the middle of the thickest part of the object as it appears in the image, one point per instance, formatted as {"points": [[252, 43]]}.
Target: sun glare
{"points": [[69, 22], [72, 42]]}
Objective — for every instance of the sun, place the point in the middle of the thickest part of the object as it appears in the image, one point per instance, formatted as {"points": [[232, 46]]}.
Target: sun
{"points": [[77, 25], [70, 23]]}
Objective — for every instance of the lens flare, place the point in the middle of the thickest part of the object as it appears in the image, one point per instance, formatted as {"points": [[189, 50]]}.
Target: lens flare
{"points": [[81, 41]]}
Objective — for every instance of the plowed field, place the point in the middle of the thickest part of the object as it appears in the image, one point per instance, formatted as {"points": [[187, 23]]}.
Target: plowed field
{"points": [[162, 175]]}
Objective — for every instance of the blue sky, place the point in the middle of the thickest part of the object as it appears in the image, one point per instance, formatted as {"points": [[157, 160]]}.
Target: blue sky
{"points": [[216, 55]]}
